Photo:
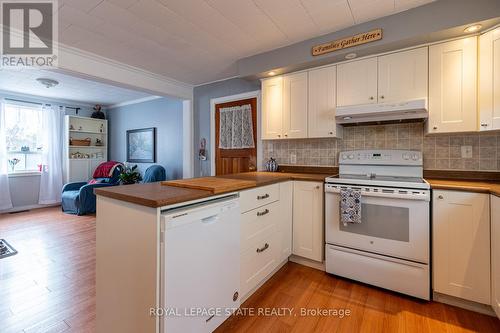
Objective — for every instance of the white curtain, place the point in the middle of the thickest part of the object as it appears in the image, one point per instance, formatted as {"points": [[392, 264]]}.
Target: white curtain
{"points": [[51, 180], [236, 127], [5, 201]]}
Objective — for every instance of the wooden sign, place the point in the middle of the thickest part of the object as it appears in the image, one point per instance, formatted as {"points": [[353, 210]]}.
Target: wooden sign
{"points": [[344, 43]]}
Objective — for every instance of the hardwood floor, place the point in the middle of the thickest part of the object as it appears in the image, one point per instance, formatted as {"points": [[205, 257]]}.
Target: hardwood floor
{"points": [[50, 287]]}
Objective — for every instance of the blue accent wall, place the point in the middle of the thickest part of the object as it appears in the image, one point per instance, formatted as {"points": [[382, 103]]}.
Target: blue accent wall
{"points": [[201, 112], [166, 115]]}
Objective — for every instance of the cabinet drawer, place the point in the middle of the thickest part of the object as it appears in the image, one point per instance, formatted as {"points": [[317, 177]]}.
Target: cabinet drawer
{"points": [[258, 197], [259, 224], [258, 262]]}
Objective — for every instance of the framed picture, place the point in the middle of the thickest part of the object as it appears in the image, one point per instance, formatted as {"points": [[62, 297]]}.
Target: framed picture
{"points": [[141, 145]]}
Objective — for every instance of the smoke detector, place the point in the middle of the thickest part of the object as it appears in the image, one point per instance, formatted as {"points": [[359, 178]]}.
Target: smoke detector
{"points": [[48, 83]]}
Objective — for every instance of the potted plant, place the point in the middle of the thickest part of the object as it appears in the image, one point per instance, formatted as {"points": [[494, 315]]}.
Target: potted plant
{"points": [[130, 175]]}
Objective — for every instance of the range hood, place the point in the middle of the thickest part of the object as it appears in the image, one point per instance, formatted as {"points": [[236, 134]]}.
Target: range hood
{"points": [[414, 109]]}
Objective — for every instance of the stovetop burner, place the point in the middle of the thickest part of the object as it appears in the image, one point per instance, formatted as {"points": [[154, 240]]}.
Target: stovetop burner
{"points": [[6, 250]]}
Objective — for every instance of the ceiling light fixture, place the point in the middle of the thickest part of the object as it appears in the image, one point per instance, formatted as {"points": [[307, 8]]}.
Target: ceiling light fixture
{"points": [[350, 56], [48, 83], [473, 28], [271, 73]]}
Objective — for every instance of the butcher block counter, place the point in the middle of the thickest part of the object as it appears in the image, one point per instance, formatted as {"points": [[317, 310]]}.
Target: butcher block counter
{"points": [[157, 195]]}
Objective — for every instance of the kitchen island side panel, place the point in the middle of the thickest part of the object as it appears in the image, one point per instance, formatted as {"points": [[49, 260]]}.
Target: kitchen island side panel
{"points": [[127, 274]]}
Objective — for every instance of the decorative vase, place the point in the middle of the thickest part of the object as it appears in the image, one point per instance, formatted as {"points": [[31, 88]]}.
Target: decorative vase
{"points": [[272, 165]]}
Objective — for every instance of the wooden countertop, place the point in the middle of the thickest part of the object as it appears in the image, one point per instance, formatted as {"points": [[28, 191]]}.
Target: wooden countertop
{"points": [[156, 195], [480, 186]]}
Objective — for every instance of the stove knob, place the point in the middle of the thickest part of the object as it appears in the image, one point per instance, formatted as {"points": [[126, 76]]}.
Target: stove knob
{"points": [[406, 156], [344, 156], [415, 157], [351, 156]]}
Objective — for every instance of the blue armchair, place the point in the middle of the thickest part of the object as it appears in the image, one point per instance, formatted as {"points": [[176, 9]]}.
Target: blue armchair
{"points": [[155, 173], [79, 198]]}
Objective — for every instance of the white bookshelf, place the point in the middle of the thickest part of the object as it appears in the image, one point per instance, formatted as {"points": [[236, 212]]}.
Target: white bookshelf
{"points": [[80, 161]]}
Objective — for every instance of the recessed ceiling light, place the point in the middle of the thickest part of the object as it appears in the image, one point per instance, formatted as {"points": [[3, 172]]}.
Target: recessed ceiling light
{"points": [[351, 55], [271, 73], [473, 28], [48, 83]]}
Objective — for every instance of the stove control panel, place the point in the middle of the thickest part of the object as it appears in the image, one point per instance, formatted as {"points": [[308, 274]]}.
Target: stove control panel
{"points": [[382, 156]]}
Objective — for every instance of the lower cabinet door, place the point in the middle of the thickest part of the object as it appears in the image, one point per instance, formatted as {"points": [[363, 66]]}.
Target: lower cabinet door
{"points": [[461, 245], [495, 254], [308, 237]]}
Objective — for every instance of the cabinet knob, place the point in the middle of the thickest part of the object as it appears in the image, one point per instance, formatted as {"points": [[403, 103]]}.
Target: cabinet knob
{"points": [[371, 97], [382, 97], [279, 135], [318, 187], [286, 135], [435, 127], [484, 125], [330, 133], [440, 197]]}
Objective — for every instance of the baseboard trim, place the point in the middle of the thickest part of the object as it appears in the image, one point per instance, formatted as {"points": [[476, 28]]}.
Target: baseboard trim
{"points": [[463, 303], [308, 262], [28, 207]]}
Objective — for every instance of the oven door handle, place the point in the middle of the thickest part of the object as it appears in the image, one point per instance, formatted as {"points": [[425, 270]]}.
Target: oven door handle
{"points": [[409, 195]]}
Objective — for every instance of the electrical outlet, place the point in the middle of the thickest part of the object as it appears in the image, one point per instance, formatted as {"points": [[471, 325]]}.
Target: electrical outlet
{"points": [[293, 158], [466, 151]]}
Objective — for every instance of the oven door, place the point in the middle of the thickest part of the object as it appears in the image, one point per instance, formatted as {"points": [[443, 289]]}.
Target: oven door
{"points": [[394, 222]]}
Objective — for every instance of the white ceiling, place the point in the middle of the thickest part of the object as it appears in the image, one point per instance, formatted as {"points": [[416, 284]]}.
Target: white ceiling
{"points": [[198, 41], [70, 88]]}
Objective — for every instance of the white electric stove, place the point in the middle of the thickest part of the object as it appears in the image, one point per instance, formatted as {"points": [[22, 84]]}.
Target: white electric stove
{"points": [[390, 247]]}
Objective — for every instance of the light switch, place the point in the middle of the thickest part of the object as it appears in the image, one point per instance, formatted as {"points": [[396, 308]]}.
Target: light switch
{"points": [[466, 151], [293, 158]]}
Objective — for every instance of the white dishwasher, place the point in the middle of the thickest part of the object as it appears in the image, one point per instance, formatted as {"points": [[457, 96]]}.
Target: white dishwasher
{"points": [[200, 265]]}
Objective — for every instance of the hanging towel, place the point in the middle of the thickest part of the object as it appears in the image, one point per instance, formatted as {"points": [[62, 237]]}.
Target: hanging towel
{"points": [[350, 205]]}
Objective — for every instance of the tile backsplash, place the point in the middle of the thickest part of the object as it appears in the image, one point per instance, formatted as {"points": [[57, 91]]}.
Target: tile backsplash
{"points": [[441, 152]]}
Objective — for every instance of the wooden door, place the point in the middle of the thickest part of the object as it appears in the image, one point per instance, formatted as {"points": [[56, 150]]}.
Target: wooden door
{"points": [[295, 105], [322, 103], [461, 243], [228, 161], [357, 82], [272, 108], [452, 86], [402, 76]]}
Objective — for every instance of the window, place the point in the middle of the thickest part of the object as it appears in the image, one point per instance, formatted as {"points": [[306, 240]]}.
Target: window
{"points": [[24, 137]]}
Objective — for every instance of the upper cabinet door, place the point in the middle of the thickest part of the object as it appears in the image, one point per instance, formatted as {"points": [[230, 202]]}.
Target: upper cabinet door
{"points": [[403, 76], [357, 82], [489, 80], [272, 108], [295, 105], [452, 86], [322, 102]]}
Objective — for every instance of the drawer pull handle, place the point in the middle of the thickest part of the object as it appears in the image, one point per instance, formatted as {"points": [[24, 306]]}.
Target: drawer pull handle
{"points": [[262, 197], [264, 212], [262, 249]]}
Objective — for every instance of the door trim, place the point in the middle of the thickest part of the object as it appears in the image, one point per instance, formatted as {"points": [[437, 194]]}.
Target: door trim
{"points": [[232, 98]]}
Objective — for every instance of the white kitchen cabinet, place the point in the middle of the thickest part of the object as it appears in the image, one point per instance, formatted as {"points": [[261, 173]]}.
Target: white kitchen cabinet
{"points": [[403, 76], [452, 86], [272, 108], [295, 105], [489, 80], [461, 245], [322, 103], [495, 254], [357, 82], [308, 237]]}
